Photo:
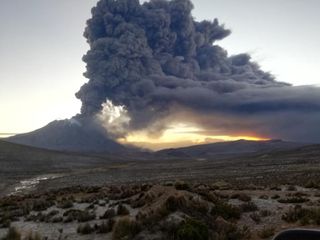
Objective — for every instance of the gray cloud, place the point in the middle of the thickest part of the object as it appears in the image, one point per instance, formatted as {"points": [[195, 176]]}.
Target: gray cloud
{"points": [[158, 62]]}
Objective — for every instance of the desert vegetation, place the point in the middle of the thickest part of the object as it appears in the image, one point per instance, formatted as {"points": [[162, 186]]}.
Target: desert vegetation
{"points": [[172, 210]]}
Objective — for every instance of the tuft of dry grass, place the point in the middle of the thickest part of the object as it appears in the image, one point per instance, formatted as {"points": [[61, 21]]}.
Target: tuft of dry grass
{"points": [[293, 200], [105, 226], [85, 229], [305, 216], [226, 211], [33, 236], [266, 232], [180, 185], [109, 213], [78, 215], [242, 197], [122, 210], [192, 229], [12, 234], [125, 228], [249, 207], [255, 217]]}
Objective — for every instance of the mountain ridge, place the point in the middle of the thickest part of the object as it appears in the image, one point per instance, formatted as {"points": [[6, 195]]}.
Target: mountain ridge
{"points": [[231, 148]]}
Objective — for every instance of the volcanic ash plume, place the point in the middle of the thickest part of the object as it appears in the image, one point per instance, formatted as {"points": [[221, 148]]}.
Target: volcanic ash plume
{"points": [[159, 65]]}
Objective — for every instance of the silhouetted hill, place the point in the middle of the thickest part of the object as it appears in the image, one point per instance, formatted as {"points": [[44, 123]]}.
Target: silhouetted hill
{"points": [[227, 149], [15, 158], [69, 135]]}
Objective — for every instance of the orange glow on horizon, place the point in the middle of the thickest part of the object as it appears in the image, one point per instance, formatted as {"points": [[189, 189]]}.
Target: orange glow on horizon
{"points": [[180, 136]]}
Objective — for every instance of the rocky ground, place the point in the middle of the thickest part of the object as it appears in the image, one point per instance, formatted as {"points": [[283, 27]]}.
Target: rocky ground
{"points": [[171, 210], [139, 197]]}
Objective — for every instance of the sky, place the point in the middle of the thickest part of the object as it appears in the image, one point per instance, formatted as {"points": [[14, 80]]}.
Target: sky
{"points": [[41, 47]]}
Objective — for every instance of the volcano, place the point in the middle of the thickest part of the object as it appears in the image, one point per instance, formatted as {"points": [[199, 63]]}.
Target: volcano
{"points": [[70, 135]]}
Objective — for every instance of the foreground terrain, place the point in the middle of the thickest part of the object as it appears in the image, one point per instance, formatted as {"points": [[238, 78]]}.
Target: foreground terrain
{"points": [[173, 210], [235, 195]]}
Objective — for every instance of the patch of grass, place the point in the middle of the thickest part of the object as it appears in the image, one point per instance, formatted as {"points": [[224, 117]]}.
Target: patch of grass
{"points": [[33, 236], [5, 223], [53, 213], [291, 188], [12, 234], [39, 217], [78, 215], [174, 203], [57, 219], [225, 210], [122, 210], [265, 213], [255, 217], [265, 197], [298, 194], [109, 213], [105, 226], [41, 204], [85, 229], [249, 207], [9, 216], [275, 188], [224, 230], [141, 200], [50, 217], [125, 228], [266, 232], [293, 200], [311, 184], [91, 206], [221, 185], [180, 185], [244, 197], [304, 215], [192, 230], [154, 216], [65, 204]]}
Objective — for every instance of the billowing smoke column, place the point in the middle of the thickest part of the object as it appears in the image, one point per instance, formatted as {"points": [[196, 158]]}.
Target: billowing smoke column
{"points": [[161, 65]]}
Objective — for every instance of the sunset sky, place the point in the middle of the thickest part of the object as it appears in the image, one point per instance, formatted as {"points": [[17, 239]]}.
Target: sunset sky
{"points": [[41, 47]]}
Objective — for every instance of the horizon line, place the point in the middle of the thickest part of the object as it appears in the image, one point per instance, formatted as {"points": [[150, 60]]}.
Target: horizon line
{"points": [[8, 134]]}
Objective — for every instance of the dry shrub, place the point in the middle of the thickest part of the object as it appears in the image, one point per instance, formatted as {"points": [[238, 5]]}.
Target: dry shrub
{"points": [[125, 228], [241, 196], [266, 232], [12, 234], [106, 226], [192, 229], [122, 210], [293, 200], [255, 217], [265, 213], [180, 185], [78, 215], [224, 230], [304, 215], [226, 211], [85, 229], [249, 207], [109, 213], [33, 236]]}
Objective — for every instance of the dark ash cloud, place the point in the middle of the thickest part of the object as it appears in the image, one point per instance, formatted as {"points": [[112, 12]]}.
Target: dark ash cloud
{"points": [[157, 61]]}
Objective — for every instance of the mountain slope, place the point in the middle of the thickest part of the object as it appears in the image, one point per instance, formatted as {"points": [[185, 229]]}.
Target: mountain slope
{"points": [[68, 135], [15, 158], [227, 149]]}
